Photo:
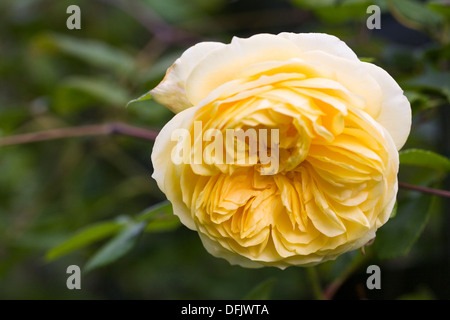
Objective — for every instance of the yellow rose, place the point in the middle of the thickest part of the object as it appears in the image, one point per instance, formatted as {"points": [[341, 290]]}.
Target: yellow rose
{"points": [[333, 180]]}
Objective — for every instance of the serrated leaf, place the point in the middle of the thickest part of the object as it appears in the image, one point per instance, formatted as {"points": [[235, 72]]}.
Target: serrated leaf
{"points": [[116, 247], [262, 291], [85, 237], [425, 158], [399, 234]]}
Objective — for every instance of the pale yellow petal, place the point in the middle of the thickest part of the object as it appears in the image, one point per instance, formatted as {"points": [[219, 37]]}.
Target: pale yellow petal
{"points": [[164, 170], [171, 91], [321, 41], [224, 64]]}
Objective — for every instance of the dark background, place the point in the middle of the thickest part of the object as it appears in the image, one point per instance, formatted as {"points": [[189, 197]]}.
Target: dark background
{"points": [[52, 77]]}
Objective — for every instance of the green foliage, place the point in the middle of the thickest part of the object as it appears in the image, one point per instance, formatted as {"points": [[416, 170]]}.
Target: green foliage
{"points": [[398, 236], [416, 13], [86, 237], [262, 291], [437, 81], [79, 201], [125, 231], [105, 91], [117, 247], [94, 52], [425, 158]]}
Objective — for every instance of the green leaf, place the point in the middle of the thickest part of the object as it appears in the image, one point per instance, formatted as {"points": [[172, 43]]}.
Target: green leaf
{"points": [[421, 293], [116, 247], [262, 291], [91, 51], [394, 210], [158, 69], [425, 158], [313, 4], [421, 101], [164, 223], [399, 234], [176, 11], [164, 207], [144, 97], [367, 59], [104, 90], [85, 237], [344, 11], [149, 111], [159, 217], [442, 7], [415, 14], [342, 266], [438, 81]]}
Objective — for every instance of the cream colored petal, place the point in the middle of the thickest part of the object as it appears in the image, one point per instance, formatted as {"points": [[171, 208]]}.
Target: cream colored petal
{"points": [[395, 113], [320, 41], [224, 64], [171, 91], [165, 171]]}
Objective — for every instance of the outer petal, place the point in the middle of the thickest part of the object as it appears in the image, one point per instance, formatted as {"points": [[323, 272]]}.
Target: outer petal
{"points": [[320, 41], [395, 114], [165, 171], [224, 64], [171, 91]]}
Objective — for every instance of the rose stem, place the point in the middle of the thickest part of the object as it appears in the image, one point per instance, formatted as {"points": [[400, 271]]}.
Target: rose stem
{"points": [[315, 282], [438, 192], [89, 130]]}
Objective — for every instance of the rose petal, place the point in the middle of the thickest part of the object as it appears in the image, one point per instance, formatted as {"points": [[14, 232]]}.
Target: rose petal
{"points": [[320, 41], [171, 91], [164, 169], [222, 65], [385, 101]]}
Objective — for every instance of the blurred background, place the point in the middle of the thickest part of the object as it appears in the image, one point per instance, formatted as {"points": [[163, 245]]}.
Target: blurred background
{"points": [[83, 201]]}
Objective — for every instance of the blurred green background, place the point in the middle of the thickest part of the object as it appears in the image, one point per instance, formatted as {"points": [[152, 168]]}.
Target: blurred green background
{"points": [[89, 193]]}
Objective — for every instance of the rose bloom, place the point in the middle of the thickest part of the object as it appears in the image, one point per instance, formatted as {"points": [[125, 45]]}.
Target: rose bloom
{"points": [[341, 123]]}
